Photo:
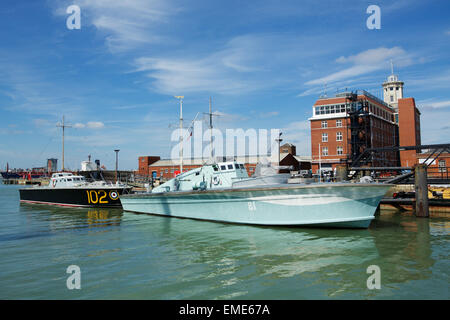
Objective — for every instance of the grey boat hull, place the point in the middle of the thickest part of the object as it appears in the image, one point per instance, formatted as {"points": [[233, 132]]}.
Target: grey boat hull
{"points": [[327, 205]]}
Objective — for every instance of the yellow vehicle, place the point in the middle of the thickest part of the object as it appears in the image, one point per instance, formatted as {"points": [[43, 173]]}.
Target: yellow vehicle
{"points": [[438, 193]]}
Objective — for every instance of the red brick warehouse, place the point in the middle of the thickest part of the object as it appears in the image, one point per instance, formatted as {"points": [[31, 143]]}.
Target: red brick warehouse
{"points": [[345, 125]]}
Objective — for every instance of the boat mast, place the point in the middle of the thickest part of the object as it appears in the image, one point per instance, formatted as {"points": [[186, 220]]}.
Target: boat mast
{"points": [[210, 128], [181, 132], [211, 115], [63, 126]]}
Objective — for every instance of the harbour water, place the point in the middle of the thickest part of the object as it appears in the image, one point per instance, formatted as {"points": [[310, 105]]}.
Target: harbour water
{"points": [[124, 255]]}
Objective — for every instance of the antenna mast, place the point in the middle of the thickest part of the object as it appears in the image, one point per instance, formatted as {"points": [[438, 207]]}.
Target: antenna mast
{"points": [[210, 114], [63, 126]]}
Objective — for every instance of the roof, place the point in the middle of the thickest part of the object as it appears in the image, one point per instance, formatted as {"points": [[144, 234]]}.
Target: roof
{"points": [[287, 144]]}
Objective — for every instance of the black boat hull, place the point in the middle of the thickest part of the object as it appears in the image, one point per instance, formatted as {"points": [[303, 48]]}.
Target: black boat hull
{"points": [[75, 197]]}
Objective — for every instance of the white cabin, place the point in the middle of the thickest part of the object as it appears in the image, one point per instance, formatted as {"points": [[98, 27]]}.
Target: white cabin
{"points": [[66, 179], [210, 176]]}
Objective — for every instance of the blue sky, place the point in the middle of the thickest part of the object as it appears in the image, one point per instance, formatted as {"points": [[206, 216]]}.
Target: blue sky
{"points": [[263, 62]]}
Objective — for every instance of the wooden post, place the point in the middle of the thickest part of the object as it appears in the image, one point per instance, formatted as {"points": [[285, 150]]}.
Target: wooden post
{"points": [[341, 173], [421, 188]]}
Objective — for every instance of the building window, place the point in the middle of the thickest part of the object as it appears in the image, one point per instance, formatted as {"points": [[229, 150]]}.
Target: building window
{"points": [[392, 98], [441, 165], [324, 137], [339, 136], [324, 151], [338, 123], [324, 124], [340, 150]]}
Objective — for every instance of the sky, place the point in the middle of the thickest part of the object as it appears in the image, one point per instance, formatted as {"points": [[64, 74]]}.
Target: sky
{"points": [[264, 63]]}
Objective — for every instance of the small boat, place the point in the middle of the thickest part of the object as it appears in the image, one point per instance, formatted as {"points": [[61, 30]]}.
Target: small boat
{"points": [[67, 189], [223, 191]]}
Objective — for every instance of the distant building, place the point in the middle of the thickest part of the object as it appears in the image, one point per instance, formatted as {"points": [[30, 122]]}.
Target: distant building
{"points": [[438, 167], [144, 162], [288, 148], [52, 165]]}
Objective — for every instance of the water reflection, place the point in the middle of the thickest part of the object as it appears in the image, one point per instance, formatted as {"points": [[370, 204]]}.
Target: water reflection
{"points": [[143, 256], [230, 255], [71, 218], [335, 259], [405, 245]]}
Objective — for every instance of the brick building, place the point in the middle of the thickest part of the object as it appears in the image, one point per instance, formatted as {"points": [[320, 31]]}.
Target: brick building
{"points": [[288, 148], [144, 162], [438, 167], [409, 135], [343, 126]]}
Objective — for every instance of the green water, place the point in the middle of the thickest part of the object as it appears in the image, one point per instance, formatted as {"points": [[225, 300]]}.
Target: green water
{"points": [[123, 255]]}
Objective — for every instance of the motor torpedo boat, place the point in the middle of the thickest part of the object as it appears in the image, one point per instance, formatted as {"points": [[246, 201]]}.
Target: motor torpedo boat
{"points": [[223, 191]]}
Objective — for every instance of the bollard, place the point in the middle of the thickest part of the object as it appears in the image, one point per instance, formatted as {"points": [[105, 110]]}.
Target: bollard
{"points": [[421, 188]]}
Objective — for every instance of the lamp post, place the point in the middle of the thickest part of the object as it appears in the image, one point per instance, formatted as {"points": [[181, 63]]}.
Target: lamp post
{"points": [[320, 166], [117, 161], [279, 140]]}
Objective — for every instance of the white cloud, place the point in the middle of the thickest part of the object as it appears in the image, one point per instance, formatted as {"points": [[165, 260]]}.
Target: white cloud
{"points": [[184, 75], [95, 125], [365, 62], [243, 64], [127, 24], [89, 125], [434, 104]]}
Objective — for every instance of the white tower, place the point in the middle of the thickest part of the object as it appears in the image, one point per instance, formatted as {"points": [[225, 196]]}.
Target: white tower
{"points": [[392, 89]]}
